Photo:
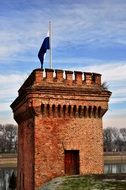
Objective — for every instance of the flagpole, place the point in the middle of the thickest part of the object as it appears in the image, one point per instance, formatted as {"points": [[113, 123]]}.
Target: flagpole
{"points": [[50, 43]]}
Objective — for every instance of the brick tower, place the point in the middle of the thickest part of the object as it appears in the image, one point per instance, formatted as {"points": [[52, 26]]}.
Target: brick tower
{"points": [[60, 125]]}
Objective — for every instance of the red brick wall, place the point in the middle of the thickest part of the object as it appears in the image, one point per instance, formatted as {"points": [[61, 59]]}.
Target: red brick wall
{"points": [[48, 150], [26, 156], [54, 135]]}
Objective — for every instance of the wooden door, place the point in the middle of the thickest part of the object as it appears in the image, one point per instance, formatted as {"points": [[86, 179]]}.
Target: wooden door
{"points": [[71, 162]]}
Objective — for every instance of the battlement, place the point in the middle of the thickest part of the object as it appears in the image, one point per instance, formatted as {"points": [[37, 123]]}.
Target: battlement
{"points": [[62, 77]]}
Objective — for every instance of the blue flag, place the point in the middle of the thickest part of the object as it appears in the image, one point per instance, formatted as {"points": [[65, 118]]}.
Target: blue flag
{"points": [[43, 49]]}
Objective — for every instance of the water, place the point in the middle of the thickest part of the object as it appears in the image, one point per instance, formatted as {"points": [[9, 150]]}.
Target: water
{"points": [[114, 168], [5, 174]]}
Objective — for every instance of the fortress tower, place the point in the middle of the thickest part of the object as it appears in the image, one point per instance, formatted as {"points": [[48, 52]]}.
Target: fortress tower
{"points": [[60, 126]]}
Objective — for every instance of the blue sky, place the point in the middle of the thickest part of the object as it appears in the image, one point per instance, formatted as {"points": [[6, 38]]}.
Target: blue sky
{"points": [[87, 36]]}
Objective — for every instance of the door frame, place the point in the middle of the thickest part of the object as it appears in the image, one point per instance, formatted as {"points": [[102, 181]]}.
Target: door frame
{"points": [[72, 162]]}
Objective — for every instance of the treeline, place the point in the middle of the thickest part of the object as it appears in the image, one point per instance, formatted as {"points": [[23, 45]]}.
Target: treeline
{"points": [[114, 139], [8, 138]]}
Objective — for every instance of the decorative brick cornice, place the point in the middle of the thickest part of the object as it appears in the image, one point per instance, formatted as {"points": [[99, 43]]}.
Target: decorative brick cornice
{"points": [[52, 110], [48, 110]]}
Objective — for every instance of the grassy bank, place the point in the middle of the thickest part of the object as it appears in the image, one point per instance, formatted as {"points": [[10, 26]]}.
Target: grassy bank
{"points": [[94, 182]]}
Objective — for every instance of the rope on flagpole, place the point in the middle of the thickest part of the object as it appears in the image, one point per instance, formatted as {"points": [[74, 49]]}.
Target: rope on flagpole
{"points": [[50, 43]]}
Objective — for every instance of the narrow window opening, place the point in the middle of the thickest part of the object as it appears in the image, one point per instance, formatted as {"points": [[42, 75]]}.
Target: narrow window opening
{"points": [[94, 111], [74, 110], [64, 110], [85, 111], [53, 110], [80, 111], [48, 109], [59, 110], [69, 110], [42, 109], [89, 111], [99, 111]]}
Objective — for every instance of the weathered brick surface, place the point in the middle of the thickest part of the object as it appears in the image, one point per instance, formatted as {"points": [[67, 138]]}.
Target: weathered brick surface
{"points": [[26, 156], [57, 114], [57, 135]]}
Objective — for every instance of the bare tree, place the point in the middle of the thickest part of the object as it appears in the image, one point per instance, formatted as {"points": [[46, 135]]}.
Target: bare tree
{"points": [[107, 140], [123, 133], [117, 141], [114, 139], [2, 139], [8, 138]]}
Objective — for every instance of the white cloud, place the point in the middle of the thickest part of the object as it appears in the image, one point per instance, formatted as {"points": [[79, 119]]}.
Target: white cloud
{"points": [[7, 118], [119, 93], [12, 79], [85, 23], [9, 84], [91, 24], [111, 71], [4, 107], [117, 120], [117, 100]]}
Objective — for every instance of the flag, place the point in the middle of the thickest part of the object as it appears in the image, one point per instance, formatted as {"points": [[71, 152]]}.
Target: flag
{"points": [[43, 49]]}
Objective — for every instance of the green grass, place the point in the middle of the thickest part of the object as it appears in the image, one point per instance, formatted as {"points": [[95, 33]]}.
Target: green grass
{"points": [[91, 183]]}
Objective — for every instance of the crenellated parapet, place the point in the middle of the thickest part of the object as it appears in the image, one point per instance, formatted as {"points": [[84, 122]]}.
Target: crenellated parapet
{"points": [[59, 93], [61, 77]]}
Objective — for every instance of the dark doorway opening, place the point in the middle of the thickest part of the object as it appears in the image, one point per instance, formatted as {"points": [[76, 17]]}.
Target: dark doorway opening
{"points": [[72, 165]]}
